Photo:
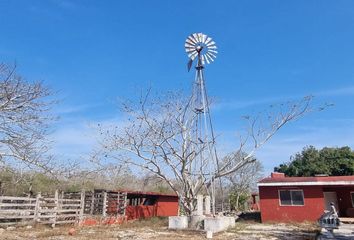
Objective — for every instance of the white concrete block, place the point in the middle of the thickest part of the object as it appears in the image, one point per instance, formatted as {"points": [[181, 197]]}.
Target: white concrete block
{"points": [[232, 222], [199, 205], [209, 234], [178, 222], [196, 222], [207, 204], [218, 224]]}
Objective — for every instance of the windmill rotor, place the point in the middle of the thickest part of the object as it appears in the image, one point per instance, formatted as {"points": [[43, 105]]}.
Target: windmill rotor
{"points": [[201, 46]]}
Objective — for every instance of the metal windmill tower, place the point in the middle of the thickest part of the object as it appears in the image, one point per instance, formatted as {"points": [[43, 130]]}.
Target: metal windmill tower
{"points": [[202, 49]]}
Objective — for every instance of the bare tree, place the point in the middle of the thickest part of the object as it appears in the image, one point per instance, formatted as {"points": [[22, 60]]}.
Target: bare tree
{"points": [[157, 137], [243, 182], [24, 118]]}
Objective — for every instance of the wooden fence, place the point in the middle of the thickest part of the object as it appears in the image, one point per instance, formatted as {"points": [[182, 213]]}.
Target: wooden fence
{"points": [[62, 208], [41, 210], [102, 202]]}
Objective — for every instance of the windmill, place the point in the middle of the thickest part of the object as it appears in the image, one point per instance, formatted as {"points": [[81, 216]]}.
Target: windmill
{"points": [[202, 49]]}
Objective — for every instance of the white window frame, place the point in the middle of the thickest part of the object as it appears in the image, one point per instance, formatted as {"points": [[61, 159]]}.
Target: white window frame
{"points": [[351, 196], [291, 190]]}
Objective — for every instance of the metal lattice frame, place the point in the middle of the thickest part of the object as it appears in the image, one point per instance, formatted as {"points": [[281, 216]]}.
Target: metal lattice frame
{"points": [[202, 48]]}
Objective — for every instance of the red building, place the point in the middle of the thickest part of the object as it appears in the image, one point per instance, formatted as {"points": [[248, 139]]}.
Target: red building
{"points": [[115, 207], [298, 199], [150, 204], [253, 202]]}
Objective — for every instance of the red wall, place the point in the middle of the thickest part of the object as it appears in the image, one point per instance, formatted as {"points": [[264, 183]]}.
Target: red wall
{"points": [[136, 212], [271, 211], [165, 206]]}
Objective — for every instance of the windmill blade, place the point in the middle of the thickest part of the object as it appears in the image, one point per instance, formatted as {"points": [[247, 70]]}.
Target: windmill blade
{"points": [[211, 43], [203, 61], [190, 53], [189, 50], [195, 37], [212, 47], [213, 51], [190, 42], [204, 37], [190, 38], [212, 55], [200, 37], [206, 59], [193, 55], [208, 40], [211, 58]]}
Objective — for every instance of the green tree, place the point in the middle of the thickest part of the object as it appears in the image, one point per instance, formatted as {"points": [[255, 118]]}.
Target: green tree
{"points": [[330, 161]]}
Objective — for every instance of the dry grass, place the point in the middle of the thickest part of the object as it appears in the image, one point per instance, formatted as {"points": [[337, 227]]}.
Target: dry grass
{"points": [[154, 222], [156, 228]]}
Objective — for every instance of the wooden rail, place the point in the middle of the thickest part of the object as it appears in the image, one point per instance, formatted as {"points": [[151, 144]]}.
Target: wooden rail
{"points": [[41, 210], [62, 208]]}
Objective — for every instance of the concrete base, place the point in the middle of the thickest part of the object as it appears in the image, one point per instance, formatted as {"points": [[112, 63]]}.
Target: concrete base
{"points": [[209, 234], [232, 222], [178, 222], [218, 224], [196, 222], [208, 224]]}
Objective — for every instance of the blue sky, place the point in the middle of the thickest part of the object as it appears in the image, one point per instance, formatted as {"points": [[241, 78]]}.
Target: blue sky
{"points": [[93, 52]]}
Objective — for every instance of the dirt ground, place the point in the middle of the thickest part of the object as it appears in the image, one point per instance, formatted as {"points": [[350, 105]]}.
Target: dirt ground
{"points": [[157, 229]]}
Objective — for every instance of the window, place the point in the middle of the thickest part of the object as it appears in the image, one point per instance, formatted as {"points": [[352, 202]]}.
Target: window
{"points": [[352, 195], [291, 197]]}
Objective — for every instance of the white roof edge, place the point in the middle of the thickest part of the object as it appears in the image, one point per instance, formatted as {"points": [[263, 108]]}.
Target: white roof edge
{"points": [[306, 183]]}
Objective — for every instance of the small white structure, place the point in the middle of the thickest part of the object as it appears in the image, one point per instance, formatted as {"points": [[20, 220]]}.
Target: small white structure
{"points": [[209, 234], [196, 222], [200, 221], [207, 205], [218, 224], [178, 222], [199, 210]]}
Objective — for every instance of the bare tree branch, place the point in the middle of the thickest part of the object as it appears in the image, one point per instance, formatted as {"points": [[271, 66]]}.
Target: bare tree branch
{"points": [[24, 120], [158, 137]]}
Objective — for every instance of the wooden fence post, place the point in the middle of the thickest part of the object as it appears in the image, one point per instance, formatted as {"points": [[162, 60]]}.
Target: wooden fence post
{"points": [[37, 211], [82, 206], [56, 207], [104, 204], [92, 202]]}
